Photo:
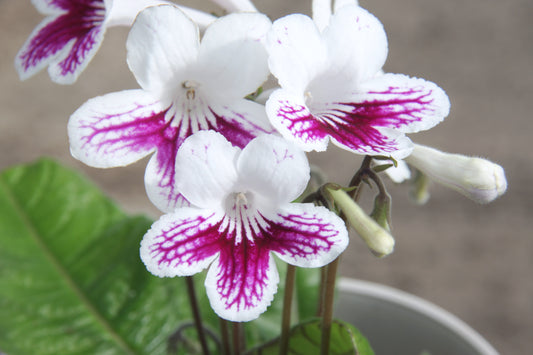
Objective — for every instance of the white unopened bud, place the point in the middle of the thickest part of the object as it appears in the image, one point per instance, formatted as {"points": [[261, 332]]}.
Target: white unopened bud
{"points": [[378, 240], [476, 178]]}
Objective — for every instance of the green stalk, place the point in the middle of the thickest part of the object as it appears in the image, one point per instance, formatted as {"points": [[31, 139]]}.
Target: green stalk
{"points": [[238, 339], [196, 314], [287, 304], [327, 308], [226, 349]]}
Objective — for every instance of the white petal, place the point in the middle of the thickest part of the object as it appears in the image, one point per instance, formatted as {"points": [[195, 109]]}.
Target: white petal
{"points": [[408, 104], [66, 41], [297, 53], [357, 43], [240, 121], [289, 114], [162, 43], [124, 12], [307, 236], [160, 182], [341, 3], [182, 243], [75, 57], [202, 19], [399, 173], [321, 13], [232, 60], [241, 285], [205, 169], [116, 129], [236, 5], [276, 171]]}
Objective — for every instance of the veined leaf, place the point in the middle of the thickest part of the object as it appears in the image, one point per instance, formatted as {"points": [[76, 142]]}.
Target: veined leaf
{"points": [[71, 280]]}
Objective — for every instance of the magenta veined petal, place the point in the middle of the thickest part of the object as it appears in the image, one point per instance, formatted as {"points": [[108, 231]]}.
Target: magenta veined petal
{"points": [[183, 243], [118, 129], [242, 281], [66, 40], [307, 236], [159, 180], [372, 119]]}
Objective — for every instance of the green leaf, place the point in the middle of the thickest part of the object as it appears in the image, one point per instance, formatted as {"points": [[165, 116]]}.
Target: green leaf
{"points": [[305, 339], [71, 280]]}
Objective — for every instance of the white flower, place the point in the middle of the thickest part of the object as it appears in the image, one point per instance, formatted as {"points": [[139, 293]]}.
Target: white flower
{"points": [[71, 34], [322, 10], [476, 178], [187, 86], [242, 212], [236, 5], [332, 87]]}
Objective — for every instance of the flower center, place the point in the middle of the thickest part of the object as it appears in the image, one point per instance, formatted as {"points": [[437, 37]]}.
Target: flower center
{"points": [[190, 86], [189, 109], [239, 202], [308, 98], [242, 218]]}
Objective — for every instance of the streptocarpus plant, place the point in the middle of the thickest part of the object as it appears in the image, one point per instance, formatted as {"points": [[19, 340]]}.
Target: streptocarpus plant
{"points": [[229, 172]]}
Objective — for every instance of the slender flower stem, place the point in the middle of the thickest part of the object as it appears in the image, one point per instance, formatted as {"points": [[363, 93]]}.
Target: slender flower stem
{"points": [[327, 308], [196, 314], [321, 295], [356, 179], [226, 348], [238, 339], [287, 303]]}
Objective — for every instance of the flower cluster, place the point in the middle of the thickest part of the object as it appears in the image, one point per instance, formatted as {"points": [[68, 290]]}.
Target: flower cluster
{"points": [[225, 168]]}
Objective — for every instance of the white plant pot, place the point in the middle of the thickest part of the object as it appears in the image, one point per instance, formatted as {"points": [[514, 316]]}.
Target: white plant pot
{"points": [[397, 323]]}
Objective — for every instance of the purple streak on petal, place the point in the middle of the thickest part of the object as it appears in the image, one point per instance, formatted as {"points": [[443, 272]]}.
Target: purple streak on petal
{"points": [[234, 131], [244, 266], [141, 133], [302, 236], [187, 242], [356, 124], [242, 279], [244, 241], [81, 25], [393, 108], [300, 122], [166, 166]]}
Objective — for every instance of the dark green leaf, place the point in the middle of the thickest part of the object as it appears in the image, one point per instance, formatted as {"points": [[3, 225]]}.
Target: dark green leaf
{"points": [[305, 340]]}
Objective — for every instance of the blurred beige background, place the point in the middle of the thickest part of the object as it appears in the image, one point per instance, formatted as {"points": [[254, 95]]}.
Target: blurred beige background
{"points": [[475, 261]]}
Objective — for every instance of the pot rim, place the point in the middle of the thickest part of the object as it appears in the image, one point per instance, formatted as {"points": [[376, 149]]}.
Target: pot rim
{"points": [[419, 305]]}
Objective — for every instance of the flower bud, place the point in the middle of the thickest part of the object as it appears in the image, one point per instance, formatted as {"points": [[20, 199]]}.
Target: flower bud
{"points": [[381, 211], [420, 188], [378, 240], [476, 178]]}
